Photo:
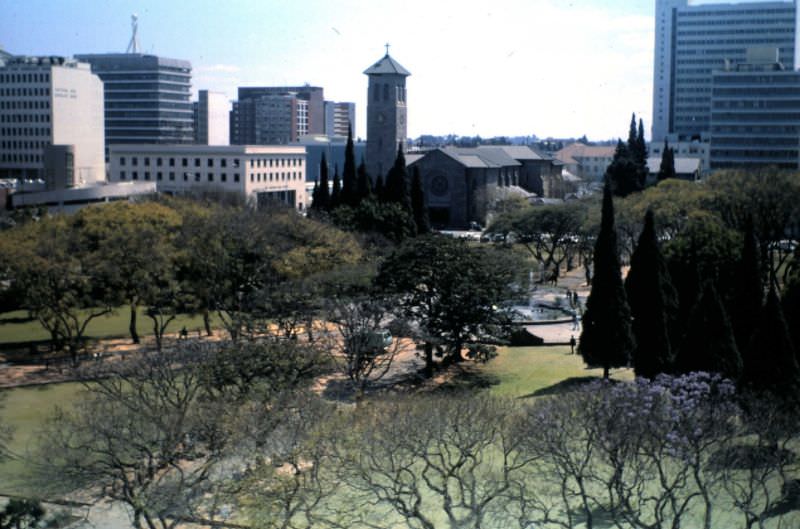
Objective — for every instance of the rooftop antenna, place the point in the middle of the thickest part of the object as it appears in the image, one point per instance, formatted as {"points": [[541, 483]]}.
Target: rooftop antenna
{"points": [[133, 45]]}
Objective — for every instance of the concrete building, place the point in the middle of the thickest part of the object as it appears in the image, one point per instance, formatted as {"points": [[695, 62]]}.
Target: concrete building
{"points": [[699, 150], [588, 162], [211, 123], [338, 117], [72, 199], [386, 114], [260, 174], [755, 114], [147, 98], [51, 110], [333, 147], [685, 168], [269, 115], [693, 40]]}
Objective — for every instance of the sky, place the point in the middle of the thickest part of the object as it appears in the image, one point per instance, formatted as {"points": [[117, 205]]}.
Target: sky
{"points": [[553, 68]]}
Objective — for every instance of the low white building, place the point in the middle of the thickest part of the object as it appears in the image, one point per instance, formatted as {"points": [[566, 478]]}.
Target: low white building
{"points": [[258, 173]]}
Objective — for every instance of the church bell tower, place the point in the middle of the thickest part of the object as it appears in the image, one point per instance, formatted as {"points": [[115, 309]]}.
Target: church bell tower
{"points": [[386, 114]]}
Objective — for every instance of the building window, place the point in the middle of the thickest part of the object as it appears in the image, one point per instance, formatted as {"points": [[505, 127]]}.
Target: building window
{"points": [[122, 175], [223, 162], [185, 162], [386, 92], [158, 162], [235, 177], [147, 161], [122, 160], [147, 175], [197, 177], [135, 175], [252, 177], [185, 177], [211, 162], [236, 163], [172, 162], [197, 162], [172, 175], [159, 176], [134, 161], [224, 177]]}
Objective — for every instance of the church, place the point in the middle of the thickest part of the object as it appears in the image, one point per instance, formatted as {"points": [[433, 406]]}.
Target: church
{"points": [[460, 184]]}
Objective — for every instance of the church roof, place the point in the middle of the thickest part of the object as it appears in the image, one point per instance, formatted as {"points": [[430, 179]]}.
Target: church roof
{"points": [[386, 66]]}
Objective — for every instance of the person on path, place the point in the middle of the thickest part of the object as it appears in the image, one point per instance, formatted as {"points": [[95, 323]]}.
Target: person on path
{"points": [[572, 344]]}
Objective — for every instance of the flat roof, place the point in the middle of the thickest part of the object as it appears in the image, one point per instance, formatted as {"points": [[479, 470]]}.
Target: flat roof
{"points": [[206, 149]]}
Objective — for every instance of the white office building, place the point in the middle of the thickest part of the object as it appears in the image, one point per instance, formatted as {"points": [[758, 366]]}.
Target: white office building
{"points": [[692, 40], [260, 174], [51, 122], [212, 123]]}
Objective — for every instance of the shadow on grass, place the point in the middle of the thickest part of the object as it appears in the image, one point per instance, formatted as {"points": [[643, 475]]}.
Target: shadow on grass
{"points": [[465, 378], [564, 386]]}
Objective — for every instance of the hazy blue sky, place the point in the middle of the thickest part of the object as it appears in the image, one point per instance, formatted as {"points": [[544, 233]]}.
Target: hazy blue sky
{"points": [[513, 67]]}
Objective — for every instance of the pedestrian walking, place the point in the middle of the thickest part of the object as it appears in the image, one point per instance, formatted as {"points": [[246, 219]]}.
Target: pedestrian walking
{"points": [[572, 344], [575, 324]]}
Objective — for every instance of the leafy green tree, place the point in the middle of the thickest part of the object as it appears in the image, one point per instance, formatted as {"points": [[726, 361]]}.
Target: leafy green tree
{"points": [[134, 245], [770, 361], [606, 339], [709, 344], [21, 514], [454, 291], [654, 304], [747, 297], [349, 181], [387, 219], [667, 167], [418, 204]]}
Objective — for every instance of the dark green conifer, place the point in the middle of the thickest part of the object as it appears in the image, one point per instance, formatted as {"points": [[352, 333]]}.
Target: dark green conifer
{"points": [[770, 362], [606, 340], [336, 195], [708, 344], [380, 189], [349, 192], [364, 184], [324, 189], [315, 196], [747, 300], [667, 167], [653, 302], [397, 189], [418, 204], [623, 173]]}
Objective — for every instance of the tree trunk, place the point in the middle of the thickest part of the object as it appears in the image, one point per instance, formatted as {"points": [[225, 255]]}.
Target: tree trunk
{"points": [[207, 322], [605, 372], [428, 360], [132, 325]]}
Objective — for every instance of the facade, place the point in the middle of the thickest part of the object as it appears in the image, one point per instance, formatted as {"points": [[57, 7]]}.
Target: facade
{"points": [[386, 114], [685, 168], [588, 162], [691, 41], [51, 108], [260, 174], [270, 115], [699, 150], [147, 98], [72, 199], [211, 126], [461, 184], [755, 114], [339, 117]]}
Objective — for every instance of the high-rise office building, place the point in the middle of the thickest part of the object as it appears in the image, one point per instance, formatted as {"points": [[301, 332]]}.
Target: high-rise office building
{"points": [[51, 122], [211, 125], [267, 115], [147, 98], [386, 114], [693, 40], [339, 117], [755, 114]]}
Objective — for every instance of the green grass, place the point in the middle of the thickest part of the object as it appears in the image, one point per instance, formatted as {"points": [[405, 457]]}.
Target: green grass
{"points": [[527, 371], [25, 410], [108, 326]]}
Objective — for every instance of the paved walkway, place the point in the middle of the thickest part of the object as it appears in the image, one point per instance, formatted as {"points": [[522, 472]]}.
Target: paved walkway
{"points": [[562, 329]]}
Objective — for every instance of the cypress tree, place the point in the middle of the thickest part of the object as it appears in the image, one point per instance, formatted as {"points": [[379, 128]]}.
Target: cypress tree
{"points": [[623, 173], [654, 304], [747, 300], [770, 362], [324, 189], [708, 344], [380, 189], [633, 136], [364, 184], [641, 144], [606, 338], [667, 168], [349, 193], [421, 218], [397, 182], [315, 196], [791, 311], [336, 196]]}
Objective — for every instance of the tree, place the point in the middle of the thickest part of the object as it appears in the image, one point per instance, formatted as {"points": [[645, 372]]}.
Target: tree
{"points": [[349, 183], [418, 204], [336, 194], [364, 187], [452, 290], [606, 338], [324, 188], [709, 344], [770, 362], [380, 188], [397, 182], [623, 174], [667, 167], [747, 298], [654, 304], [21, 514]]}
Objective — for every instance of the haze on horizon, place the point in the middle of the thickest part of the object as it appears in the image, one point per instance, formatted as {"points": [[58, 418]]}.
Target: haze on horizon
{"points": [[509, 67]]}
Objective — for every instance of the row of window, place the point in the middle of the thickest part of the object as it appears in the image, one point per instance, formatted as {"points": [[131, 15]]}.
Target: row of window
{"points": [[24, 118], [24, 78], [24, 92], [24, 105], [384, 89], [25, 131], [268, 177], [223, 162], [14, 144], [171, 176], [20, 158]]}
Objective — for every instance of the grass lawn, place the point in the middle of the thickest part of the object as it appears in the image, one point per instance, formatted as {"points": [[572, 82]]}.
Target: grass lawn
{"points": [[532, 371], [25, 409], [108, 326]]}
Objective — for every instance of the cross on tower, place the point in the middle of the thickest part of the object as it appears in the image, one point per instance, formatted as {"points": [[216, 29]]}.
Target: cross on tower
{"points": [[387, 48]]}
